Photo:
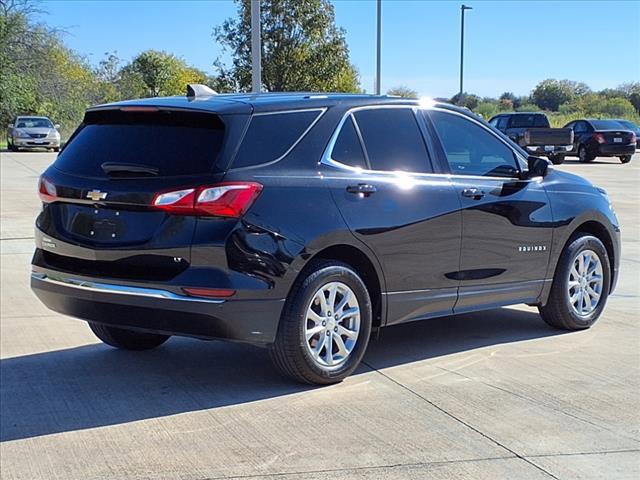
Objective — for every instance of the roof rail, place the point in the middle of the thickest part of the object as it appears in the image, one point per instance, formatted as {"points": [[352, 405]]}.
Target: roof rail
{"points": [[196, 90]]}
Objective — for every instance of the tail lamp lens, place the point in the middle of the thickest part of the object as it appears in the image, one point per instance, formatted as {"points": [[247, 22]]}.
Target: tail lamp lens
{"points": [[230, 199], [598, 137], [46, 190]]}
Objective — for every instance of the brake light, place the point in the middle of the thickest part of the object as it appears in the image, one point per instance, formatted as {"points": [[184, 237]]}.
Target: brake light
{"points": [[598, 137], [47, 190], [633, 138], [230, 199]]}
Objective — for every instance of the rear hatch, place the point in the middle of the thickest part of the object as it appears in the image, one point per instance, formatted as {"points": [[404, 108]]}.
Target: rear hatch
{"points": [[102, 186]]}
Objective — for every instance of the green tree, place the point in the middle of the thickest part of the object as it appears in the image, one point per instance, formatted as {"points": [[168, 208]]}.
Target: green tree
{"points": [[154, 74], [551, 93], [302, 49], [402, 91], [469, 100]]}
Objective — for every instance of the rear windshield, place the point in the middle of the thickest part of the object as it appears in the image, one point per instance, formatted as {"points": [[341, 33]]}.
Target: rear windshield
{"points": [[519, 121], [169, 143], [606, 125]]}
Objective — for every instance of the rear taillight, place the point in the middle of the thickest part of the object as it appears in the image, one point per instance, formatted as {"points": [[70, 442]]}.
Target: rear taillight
{"points": [[230, 199], [598, 137], [47, 190], [633, 138]]}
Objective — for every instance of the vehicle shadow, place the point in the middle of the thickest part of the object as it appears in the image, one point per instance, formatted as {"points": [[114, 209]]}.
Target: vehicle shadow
{"points": [[594, 162], [95, 385]]}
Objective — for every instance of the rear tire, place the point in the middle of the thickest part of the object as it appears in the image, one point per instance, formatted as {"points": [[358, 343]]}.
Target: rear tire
{"points": [[625, 158], [557, 159], [583, 156], [297, 351], [565, 301], [127, 339]]}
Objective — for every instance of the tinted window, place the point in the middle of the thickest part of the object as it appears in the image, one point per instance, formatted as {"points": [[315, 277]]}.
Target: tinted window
{"points": [[393, 140], [494, 121], [524, 121], [270, 136], [348, 149], [472, 150], [502, 123], [174, 143], [580, 127]]}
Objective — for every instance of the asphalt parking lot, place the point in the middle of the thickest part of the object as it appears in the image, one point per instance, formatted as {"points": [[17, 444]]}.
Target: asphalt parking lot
{"points": [[497, 394]]}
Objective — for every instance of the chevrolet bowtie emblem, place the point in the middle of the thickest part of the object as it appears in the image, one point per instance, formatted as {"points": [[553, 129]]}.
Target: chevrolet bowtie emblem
{"points": [[96, 195]]}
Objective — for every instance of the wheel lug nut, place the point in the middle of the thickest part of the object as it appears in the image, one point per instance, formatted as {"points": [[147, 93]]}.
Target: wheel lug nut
{"points": [[324, 324], [328, 333], [335, 329]]}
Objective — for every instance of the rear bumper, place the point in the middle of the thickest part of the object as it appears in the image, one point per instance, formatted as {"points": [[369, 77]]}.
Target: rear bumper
{"points": [[615, 150], [158, 310], [553, 150]]}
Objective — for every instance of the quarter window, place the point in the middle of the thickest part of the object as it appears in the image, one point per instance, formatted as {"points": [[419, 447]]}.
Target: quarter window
{"points": [[271, 135], [472, 150], [393, 140], [348, 149]]}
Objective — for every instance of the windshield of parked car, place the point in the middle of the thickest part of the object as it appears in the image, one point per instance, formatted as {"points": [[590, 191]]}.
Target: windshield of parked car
{"points": [[606, 124], [34, 123], [522, 121]]}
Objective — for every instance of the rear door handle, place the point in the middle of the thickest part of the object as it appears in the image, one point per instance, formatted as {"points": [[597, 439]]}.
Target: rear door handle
{"points": [[474, 193], [362, 188]]}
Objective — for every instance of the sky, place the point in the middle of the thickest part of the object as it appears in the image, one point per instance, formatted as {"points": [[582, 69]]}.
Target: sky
{"points": [[509, 45]]}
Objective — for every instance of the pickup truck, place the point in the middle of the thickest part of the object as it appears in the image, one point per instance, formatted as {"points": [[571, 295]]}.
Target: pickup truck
{"points": [[532, 131]]}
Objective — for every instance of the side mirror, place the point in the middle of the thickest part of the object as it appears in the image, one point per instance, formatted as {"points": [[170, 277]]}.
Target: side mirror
{"points": [[57, 126], [10, 125], [537, 167]]}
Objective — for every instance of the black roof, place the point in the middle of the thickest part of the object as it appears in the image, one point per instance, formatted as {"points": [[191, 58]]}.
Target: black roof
{"points": [[266, 102]]}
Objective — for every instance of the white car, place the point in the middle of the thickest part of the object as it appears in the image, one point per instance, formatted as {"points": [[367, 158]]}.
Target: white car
{"points": [[33, 132]]}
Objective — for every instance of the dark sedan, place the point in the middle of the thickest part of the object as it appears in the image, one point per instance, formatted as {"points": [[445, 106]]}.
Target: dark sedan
{"points": [[601, 138]]}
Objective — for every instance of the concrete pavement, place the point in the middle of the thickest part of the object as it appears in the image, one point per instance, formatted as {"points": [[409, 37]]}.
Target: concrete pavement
{"points": [[491, 395]]}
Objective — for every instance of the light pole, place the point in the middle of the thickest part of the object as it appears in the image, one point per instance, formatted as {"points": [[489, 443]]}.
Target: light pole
{"points": [[256, 48], [378, 43], [462, 9]]}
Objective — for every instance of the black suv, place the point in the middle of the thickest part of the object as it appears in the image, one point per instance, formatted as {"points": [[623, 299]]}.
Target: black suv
{"points": [[303, 222]]}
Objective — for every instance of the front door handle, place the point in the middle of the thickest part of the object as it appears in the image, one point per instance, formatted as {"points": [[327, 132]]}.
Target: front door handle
{"points": [[363, 189], [474, 193]]}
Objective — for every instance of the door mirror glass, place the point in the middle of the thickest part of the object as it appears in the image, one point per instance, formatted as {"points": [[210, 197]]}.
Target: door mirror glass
{"points": [[57, 126], [537, 167], [10, 125]]}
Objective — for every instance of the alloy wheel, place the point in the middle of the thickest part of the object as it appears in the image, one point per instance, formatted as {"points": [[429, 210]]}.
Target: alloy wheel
{"points": [[584, 286], [332, 325]]}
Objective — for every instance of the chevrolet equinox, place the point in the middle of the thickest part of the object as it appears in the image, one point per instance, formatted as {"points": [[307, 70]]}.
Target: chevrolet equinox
{"points": [[303, 222]]}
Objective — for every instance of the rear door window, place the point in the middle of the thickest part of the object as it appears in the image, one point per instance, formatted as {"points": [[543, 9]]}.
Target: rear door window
{"points": [[169, 142], [393, 140], [270, 136]]}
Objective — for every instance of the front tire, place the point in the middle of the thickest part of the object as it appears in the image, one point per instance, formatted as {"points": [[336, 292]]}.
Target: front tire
{"points": [[127, 339], [625, 158], [580, 286], [325, 325]]}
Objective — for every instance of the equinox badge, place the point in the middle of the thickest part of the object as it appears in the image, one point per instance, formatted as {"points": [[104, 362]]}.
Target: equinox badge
{"points": [[96, 195]]}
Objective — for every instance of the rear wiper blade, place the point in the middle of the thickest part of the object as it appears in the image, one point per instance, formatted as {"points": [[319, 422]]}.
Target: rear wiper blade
{"points": [[124, 168]]}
